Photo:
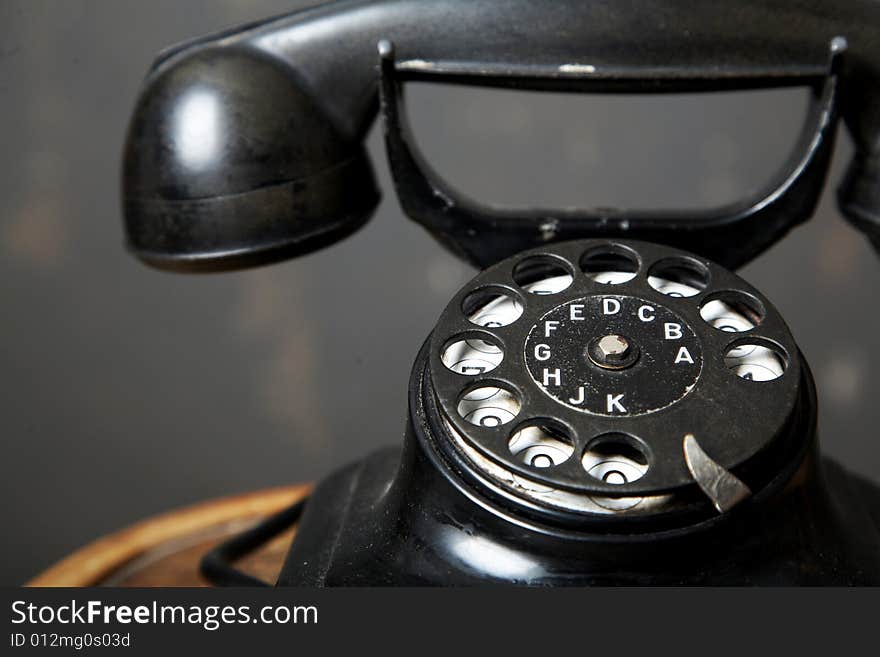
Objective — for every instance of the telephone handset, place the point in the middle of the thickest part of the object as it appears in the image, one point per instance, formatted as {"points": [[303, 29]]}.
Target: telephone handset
{"points": [[606, 402], [247, 146]]}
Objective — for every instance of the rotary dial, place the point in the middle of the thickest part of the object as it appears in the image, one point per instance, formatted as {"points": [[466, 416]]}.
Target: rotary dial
{"points": [[580, 368]]}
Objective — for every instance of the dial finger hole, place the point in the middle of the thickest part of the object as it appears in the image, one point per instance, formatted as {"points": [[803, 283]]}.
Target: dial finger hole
{"points": [[541, 445], [611, 264], [679, 277], [484, 347], [732, 312], [615, 458], [756, 362], [492, 307], [489, 406], [543, 275], [472, 356]]}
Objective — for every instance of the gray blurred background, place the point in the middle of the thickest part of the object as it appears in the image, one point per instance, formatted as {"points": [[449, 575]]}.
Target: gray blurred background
{"points": [[125, 392]]}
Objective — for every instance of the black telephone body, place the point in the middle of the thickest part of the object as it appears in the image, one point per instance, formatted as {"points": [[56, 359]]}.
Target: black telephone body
{"points": [[606, 402]]}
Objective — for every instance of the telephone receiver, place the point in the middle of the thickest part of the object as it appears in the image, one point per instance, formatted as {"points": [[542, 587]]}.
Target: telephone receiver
{"points": [[246, 147], [606, 402]]}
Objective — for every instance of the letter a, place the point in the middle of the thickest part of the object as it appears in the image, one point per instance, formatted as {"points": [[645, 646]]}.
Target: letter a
{"points": [[684, 356]]}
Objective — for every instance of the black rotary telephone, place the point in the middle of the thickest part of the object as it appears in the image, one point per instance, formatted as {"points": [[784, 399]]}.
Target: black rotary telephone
{"points": [[606, 402]]}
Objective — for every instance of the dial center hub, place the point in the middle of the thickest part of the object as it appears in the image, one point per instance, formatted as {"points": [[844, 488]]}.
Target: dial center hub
{"points": [[639, 356], [612, 352]]}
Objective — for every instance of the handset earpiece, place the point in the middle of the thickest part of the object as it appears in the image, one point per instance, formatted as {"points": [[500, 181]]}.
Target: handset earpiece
{"points": [[230, 163]]}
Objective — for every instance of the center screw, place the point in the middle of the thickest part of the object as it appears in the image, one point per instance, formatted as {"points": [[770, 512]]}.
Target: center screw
{"points": [[612, 352]]}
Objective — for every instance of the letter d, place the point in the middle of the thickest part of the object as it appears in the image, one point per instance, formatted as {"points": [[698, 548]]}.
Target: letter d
{"points": [[610, 306]]}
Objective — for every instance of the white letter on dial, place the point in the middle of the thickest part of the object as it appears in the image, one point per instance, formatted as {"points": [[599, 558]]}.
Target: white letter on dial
{"points": [[684, 356], [610, 306], [614, 404], [672, 331], [643, 314], [555, 375]]}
